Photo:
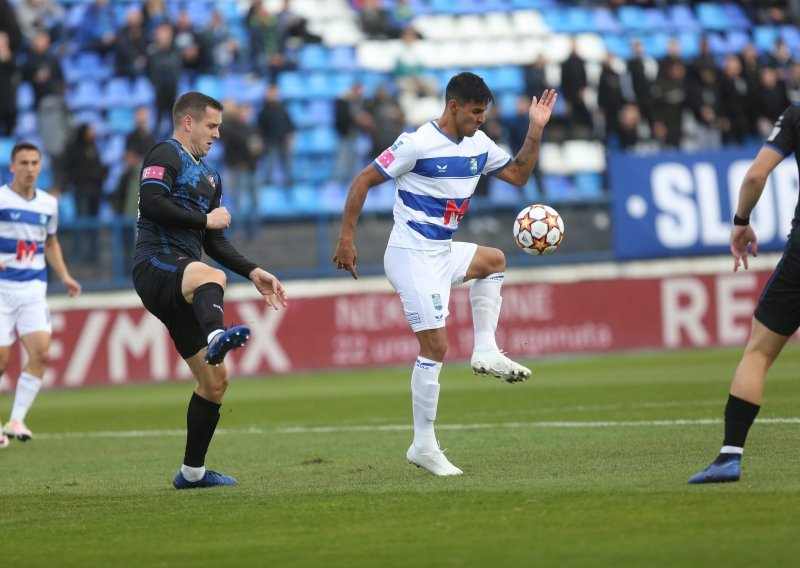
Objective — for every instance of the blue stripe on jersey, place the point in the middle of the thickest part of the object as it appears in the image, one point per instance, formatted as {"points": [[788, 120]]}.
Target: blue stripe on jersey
{"points": [[161, 183], [431, 206], [433, 232], [451, 166], [23, 216], [24, 274], [10, 245], [378, 167], [494, 171]]}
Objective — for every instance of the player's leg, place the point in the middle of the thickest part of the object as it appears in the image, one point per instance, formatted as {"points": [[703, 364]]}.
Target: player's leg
{"points": [[8, 319], [5, 355], [486, 268], [37, 347], [203, 287], [744, 402], [421, 280]]}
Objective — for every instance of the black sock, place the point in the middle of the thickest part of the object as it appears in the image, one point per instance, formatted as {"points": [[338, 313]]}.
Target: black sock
{"points": [[207, 305], [739, 416], [201, 421]]}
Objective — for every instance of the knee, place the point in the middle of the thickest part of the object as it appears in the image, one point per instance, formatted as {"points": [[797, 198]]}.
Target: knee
{"points": [[496, 261], [219, 277], [39, 358], [218, 386], [435, 349]]}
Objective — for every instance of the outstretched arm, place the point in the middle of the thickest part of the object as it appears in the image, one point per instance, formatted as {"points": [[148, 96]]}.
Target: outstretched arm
{"points": [[752, 186], [345, 255], [520, 168]]}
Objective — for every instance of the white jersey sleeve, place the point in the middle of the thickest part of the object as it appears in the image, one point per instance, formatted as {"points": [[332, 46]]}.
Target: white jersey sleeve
{"points": [[496, 159], [398, 159]]}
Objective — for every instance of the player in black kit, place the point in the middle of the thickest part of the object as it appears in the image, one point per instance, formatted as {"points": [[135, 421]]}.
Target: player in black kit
{"points": [[777, 315], [180, 216]]}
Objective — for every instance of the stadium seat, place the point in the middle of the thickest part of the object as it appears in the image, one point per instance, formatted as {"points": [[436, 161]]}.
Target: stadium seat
{"points": [[590, 47], [529, 22], [589, 185], [6, 144], [27, 124], [683, 18], [211, 85], [85, 95], [497, 24], [314, 57], [559, 189], [378, 55], [118, 91], [120, 120], [273, 202], [291, 85], [25, 96], [584, 156], [605, 22], [551, 159], [304, 198], [343, 58]]}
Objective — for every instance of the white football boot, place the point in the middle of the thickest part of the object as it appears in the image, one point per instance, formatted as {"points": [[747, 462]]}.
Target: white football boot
{"points": [[496, 364], [3, 438], [434, 462], [18, 430]]}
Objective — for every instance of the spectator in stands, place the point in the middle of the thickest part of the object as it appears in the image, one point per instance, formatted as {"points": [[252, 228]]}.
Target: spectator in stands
{"points": [[8, 87], [98, 28], [535, 77], [780, 56], [641, 83], [164, 66], [387, 120], [515, 129], [609, 96], [277, 131], [243, 148], [402, 14], [215, 39], [55, 130], [573, 86], [35, 16], [669, 99], [10, 25], [155, 14], [751, 68], [85, 172], [736, 124], [704, 60], [704, 99], [137, 143], [130, 55], [42, 68], [409, 70], [793, 82], [266, 42], [771, 99], [350, 119], [294, 27], [633, 129], [375, 21], [185, 41], [673, 56]]}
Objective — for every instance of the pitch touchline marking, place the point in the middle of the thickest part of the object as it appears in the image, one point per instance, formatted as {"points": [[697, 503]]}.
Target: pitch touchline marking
{"points": [[402, 428]]}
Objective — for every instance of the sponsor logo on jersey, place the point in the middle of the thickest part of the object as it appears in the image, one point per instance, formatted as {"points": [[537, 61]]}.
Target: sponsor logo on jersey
{"points": [[437, 301], [386, 158], [153, 172], [441, 169], [396, 145]]}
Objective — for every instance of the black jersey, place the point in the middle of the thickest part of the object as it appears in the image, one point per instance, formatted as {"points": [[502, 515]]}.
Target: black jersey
{"points": [[176, 192], [785, 138]]}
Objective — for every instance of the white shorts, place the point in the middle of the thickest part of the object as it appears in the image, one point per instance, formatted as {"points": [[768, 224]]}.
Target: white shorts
{"points": [[423, 279], [23, 313]]}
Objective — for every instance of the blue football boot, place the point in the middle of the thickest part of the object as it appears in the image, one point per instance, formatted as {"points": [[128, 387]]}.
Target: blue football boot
{"points": [[228, 340], [210, 479], [727, 467]]}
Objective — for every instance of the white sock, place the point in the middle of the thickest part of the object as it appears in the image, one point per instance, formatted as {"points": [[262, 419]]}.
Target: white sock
{"points": [[27, 388], [731, 450], [424, 401], [213, 334], [193, 473], [485, 299]]}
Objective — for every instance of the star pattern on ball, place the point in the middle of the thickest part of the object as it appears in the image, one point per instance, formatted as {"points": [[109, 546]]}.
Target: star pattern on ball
{"points": [[525, 223], [540, 244], [551, 220]]}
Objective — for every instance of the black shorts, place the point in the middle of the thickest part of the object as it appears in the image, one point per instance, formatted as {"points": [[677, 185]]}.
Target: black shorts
{"points": [[779, 306], [158, 283]]}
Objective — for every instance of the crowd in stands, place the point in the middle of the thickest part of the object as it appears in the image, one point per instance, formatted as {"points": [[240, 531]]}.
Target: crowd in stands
{"points": [[274, 134]]}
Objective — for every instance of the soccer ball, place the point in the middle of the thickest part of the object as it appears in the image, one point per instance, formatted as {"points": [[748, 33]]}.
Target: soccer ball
{"points": [[538, 229]]}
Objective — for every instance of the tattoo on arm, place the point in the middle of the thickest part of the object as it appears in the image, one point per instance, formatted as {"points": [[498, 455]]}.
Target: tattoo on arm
{"points": [[532, 139]]}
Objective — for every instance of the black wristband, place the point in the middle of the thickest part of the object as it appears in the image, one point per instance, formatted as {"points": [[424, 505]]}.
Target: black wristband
{"points": [[740, 221]]}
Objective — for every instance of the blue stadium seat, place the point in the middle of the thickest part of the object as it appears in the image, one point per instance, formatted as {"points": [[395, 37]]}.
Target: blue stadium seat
{"points": [[67, 210], [304, 198], [143, 93], [292, 85], [273, 202], [636, 18], [721, 17], [683, 18], [605, 22], [85, 95], [120, 120], [27, 124], [211, 85], [589, 185], [791, 35], [314, 57], [558, 189], [119, 92], [6, 144], [45, 179], [620, 45], [343, 58], [25, 96], [112, 149]]}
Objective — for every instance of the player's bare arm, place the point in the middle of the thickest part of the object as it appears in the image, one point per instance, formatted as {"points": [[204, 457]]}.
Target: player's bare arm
{"points": [[55, 259], [345, 255], [269, 287], [753, 184], [520, 168]]}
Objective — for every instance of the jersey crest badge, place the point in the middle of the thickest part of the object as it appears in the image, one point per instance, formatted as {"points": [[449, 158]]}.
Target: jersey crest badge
{"points": [[212, 180], [437, 301], [473, 165]]}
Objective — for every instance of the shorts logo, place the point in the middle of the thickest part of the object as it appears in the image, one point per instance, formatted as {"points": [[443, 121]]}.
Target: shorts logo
{"points": [[386, 158], [437, 301], [473, 165], [153, 172], [413, 317]]}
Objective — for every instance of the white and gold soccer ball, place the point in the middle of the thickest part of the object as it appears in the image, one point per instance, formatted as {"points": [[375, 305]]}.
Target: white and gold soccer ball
{"points": [[538, 229]]}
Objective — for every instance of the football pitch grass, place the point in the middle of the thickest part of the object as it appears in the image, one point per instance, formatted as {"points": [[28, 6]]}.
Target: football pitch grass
{"points": [[584, 465]]}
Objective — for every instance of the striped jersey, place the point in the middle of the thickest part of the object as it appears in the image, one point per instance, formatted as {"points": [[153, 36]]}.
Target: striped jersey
{"points": [[24, 226], [435, 177]]}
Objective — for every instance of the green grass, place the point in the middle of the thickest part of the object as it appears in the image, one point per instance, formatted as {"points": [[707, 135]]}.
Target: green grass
{"points": [[534, 492]]}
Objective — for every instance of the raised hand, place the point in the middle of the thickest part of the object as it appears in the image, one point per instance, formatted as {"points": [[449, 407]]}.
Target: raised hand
{"points": [[542, 109]]}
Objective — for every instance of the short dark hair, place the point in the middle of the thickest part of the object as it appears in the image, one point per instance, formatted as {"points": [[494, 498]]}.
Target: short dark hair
{"points": [[467, 87], [194, 104], [20, 146]]}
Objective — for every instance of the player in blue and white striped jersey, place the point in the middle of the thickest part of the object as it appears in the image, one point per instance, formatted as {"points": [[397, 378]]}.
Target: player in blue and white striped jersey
{"points": [[436, 170], [28, 243]]}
